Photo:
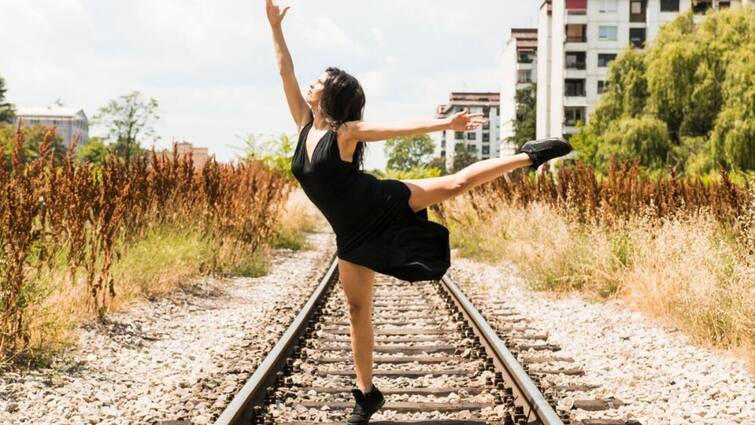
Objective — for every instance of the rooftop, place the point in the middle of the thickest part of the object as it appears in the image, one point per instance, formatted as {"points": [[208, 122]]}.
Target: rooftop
{"points": [[48, 112]]}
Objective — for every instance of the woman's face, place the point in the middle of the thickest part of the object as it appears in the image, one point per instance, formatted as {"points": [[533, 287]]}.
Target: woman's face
{"points": [[315, 90]]}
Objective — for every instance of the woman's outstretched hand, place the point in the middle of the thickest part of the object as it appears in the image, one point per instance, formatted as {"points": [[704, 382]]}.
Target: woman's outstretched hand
{"points": [[274, 14], [464, 121]]}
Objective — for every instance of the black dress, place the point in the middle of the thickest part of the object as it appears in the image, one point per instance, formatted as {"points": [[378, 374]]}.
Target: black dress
{"points": [[374, 225]]}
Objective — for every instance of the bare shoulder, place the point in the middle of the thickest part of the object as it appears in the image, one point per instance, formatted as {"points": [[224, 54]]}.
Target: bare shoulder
{"points": [[308, 117], [346, 132]]}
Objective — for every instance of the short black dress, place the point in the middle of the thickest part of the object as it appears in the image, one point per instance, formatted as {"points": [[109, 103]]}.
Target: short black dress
{"points": [[374, 225]]}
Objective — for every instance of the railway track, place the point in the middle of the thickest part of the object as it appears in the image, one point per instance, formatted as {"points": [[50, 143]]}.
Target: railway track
{"points": [[436, 358]]}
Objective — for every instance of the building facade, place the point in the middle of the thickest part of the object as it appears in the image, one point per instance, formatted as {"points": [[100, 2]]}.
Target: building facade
{"points": [[199, 156], [68, 122], [578, 39], [483, 142], [519, 70]]}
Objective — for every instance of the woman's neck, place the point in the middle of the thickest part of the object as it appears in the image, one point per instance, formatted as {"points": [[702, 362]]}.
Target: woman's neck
{"points": [[320, 122]]}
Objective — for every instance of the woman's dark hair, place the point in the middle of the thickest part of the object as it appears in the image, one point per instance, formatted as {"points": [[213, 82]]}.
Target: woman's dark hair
{"points": [[343, 101]]}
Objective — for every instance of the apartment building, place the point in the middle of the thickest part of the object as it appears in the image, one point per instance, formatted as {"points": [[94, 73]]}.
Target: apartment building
{"points": [[199, 156], [483, 142], [68, 122], [519, 70], [578, 39]]}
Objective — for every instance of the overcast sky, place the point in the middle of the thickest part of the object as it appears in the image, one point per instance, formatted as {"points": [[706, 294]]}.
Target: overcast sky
{"points": [[212, 68]]}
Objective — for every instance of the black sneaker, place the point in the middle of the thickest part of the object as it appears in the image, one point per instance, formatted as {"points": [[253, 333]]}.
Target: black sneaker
{"points": [[366, 404], [542, 150]]}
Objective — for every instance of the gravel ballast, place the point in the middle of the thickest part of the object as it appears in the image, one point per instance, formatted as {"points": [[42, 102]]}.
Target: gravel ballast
{"points": [[656, 370], [180, 358]]}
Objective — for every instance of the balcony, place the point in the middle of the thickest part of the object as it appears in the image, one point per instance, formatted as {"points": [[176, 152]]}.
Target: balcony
{"points": [[701, 6], [576, 7], [526, 57], [572, 115], [576, 33], [637, 9], [574, 87], [575, 60], [637, 37]]}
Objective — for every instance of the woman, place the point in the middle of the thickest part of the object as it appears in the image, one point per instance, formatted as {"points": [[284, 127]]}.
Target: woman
{"points": [[380, 225]]}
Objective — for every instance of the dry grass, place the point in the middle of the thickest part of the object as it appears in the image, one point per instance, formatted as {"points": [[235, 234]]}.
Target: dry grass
{"points": [[161, 261], [78, 237], [687, 268]]}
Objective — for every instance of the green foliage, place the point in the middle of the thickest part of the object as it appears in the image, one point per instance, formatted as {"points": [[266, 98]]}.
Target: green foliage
{"points": [[733, 138], [688, 101], [408, 152], [33, 137], [7, 113], [94, 151], [438, 162], [526, 112], [645, 138], [463, 155], [128, 120], [275, 152]]}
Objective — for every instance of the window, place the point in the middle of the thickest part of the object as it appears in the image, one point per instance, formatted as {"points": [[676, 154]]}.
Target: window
{"points": [[458, 135], [724, 4], [471, 136], [701, 6], [637, 37], [485, 137], [604, 59], [575, 60], [607, 6], [602, 86], [472, 148], [486, 150], [573, 114], [574, 87], [669, 5], [526, 57], [524, 76], [443, 144], [486, 111], [576, 33], [486, 125], [607, 33]]}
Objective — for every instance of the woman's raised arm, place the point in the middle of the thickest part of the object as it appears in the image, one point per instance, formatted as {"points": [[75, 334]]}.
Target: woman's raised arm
{"points": [[362, 131], [296, 104]]}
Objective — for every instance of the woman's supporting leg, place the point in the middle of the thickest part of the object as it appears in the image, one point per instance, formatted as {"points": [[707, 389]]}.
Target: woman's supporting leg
{"points": [[429, 191], [357, 282]]}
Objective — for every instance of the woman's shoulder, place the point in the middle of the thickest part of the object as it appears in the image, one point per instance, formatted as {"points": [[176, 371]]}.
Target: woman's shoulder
{"points": [[307, 121]]}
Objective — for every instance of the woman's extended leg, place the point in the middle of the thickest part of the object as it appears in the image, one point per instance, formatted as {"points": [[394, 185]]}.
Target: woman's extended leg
{"points": [[429, 191], [357, 282]]}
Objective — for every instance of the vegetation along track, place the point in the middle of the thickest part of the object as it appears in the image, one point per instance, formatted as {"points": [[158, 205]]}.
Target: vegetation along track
{"points": [[437, 360]]}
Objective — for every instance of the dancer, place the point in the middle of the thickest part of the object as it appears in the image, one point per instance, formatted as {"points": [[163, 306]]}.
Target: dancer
{"points": [[380, 225]]}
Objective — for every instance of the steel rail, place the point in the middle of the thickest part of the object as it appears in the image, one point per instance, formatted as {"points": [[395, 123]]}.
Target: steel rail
{"points": [[519, 380], [253, 391]]}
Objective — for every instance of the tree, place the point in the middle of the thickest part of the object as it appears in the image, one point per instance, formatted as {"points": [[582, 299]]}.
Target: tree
{"points": [[687, 101], [7, 112], [526, 116], [275, 152], [94, 151], [408, 152], [463, 155], [32, 139], [129, 120], [438, 162]]}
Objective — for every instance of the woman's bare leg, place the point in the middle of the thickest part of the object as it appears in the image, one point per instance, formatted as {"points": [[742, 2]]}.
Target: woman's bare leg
{"points": [[429, 191], [357, 282]]}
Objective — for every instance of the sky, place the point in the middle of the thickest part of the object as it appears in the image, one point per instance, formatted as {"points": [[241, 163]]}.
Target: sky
{"points": [[212, 67]]}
